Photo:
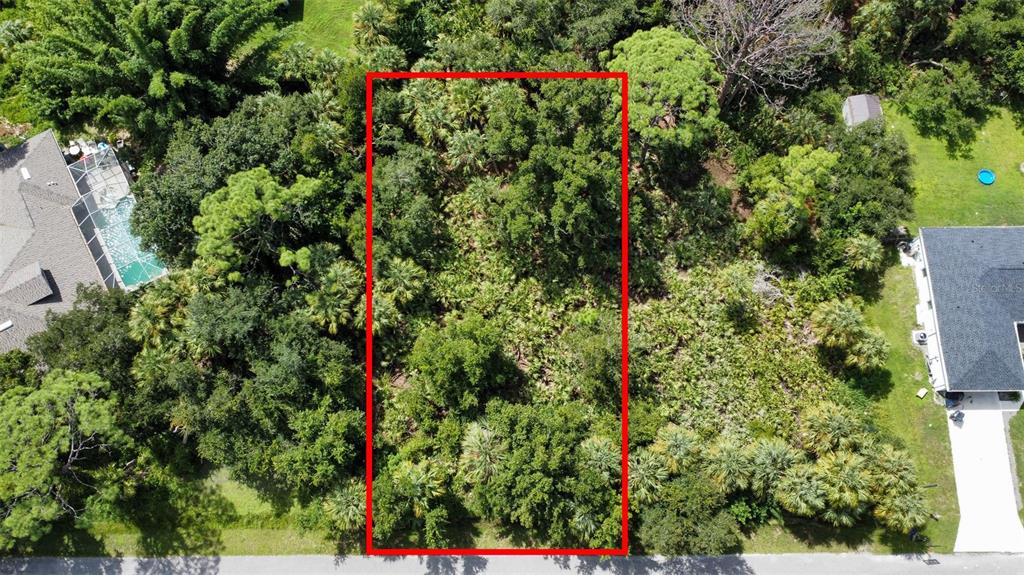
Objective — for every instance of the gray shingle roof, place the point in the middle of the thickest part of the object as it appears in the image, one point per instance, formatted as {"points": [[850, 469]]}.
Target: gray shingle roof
{"points": [[861, 108], [37, 228], [977, 281]]}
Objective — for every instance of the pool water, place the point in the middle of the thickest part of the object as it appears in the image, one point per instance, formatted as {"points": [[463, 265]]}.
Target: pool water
{"points": [[135, 265]]}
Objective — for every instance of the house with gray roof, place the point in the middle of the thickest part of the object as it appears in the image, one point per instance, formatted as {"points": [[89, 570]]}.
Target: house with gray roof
{"points": [[43, 258], [971, 291], [861, 108]]}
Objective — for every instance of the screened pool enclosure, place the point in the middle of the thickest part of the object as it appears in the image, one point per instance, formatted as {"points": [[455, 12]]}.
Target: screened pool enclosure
{"points": [[103, 212]]}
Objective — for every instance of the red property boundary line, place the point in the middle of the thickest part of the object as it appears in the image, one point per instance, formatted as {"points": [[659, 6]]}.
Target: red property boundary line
{"points": [[624, 79]]}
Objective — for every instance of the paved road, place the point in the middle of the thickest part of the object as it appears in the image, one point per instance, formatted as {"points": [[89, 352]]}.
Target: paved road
{"points": [[795, 564]]}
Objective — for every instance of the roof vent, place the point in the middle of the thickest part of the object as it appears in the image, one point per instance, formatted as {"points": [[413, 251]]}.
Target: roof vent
{"points": [[25, 175], [6, 326]]}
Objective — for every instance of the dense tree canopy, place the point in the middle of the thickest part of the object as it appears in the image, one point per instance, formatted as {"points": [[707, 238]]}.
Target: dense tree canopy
{"points": [[60, 449], [673, 85], [142, 66], [759, 225]]}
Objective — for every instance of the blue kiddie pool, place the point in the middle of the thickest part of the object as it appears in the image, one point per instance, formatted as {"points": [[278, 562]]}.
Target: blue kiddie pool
{"points": [[987, 177]]}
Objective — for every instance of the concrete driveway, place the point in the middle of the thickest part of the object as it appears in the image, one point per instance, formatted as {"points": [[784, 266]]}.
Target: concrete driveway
{"points": [[985, 484]]}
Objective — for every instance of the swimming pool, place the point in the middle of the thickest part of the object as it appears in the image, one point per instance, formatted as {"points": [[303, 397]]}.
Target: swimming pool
{"points": [[103, 213], [134, 265]]}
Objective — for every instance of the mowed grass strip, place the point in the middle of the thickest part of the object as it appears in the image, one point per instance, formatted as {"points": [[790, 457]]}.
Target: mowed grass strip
{"points": [[324, 23]]}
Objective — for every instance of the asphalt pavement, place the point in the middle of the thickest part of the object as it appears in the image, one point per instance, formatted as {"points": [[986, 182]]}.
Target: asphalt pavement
{"points": [[788, 564]]}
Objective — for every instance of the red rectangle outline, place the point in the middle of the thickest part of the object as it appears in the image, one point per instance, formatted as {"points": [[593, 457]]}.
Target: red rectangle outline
{"points": [[624, 79]]}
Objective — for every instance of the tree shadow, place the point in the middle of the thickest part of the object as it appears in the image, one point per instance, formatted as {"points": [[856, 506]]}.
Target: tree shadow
{"points": [[875, 384], [11, 157], [293, 13], [65, 539], [901, 543], [61, 565], [464, 530], [518, 536], [188, 565], [109, 565], [870, 285], [178, 517], [444, 564], [816, 534], [645, 565]]}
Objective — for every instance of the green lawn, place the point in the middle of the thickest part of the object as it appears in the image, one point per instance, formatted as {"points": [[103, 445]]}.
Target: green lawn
{"points": [[948, 192], [324, 23], [919, 424], [225, 518]]}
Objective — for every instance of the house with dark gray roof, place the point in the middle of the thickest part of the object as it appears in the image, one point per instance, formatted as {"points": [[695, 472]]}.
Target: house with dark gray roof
{"points": [[861, 108], [43, 257], [971, 286]]}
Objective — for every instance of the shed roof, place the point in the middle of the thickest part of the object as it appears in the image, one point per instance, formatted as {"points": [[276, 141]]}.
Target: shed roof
{"points": [[861, 108], [977, 282]]}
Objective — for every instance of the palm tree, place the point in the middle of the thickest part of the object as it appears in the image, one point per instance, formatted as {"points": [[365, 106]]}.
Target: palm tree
{"points": [[148, 322], [846, 482], [583, 521], [729, 464], [323, 102], [432, 122], [424, 100], [870, 352], [421, 483], [892, 470], [800, 490], [403, 279], [465, 149], [770, 459], [482, 453], [327, 310], [677, 444], [827, 426], [902, 510], [12, 33], [467, 101], [326, 67], [385, 312], [838, 323], [864, 253], [293, 61], [599, 454], [648, 471], [160, 313], [330, 306], [345, 509], [372, 22]]}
